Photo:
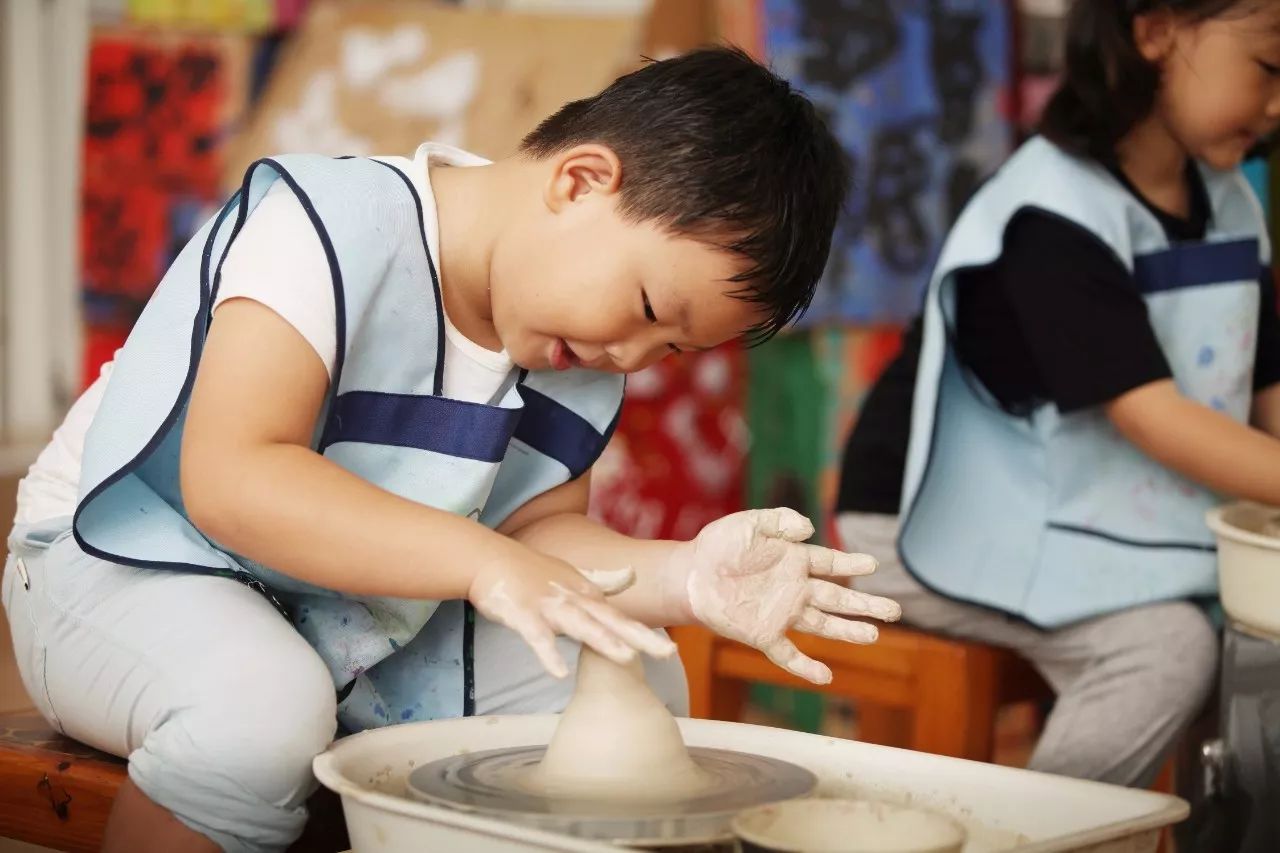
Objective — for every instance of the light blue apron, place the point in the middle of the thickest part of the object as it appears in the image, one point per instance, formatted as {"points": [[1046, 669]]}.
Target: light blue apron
{"points": [[1056, 517], [386, 420]]}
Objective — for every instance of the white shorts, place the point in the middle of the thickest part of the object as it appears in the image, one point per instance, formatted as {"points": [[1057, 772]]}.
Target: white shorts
{"points": [[217, 702]]}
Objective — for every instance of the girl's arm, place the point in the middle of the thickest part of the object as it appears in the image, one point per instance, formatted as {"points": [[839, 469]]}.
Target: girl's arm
{"points": [[1201, 444], [1266, 410]]}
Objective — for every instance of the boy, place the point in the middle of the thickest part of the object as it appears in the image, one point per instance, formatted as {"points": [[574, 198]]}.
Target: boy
{"points": [[350, 366]]}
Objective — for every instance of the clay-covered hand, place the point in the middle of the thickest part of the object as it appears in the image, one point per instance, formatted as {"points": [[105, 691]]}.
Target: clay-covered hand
{"points": [[539, 597], [750, 577]]}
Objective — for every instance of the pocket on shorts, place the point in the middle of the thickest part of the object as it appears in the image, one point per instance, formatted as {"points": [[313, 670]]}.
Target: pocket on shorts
{"points": [[10, 577], [29, 649]]}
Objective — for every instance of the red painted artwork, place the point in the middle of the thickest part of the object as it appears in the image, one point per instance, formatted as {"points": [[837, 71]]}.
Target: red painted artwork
{"points": [[159, 108], [676, 462]]}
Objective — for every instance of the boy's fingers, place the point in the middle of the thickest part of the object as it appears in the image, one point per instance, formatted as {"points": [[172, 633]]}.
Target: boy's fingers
{"points": [[784, 653], [827, 562], [635, 633], [834, 598], [570, 619], [542, 640], [610, 581], [782, 523], [814, 621]]}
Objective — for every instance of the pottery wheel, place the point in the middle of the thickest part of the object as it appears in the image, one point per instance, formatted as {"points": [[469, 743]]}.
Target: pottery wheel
{"points": [[484, 783]]}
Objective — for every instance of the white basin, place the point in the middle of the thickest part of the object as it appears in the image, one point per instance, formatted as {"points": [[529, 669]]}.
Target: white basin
{"points": [[1001, 808], [1248, 564]]}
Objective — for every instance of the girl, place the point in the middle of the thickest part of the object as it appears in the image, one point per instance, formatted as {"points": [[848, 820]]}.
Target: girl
{"points": [[1096, 367]]}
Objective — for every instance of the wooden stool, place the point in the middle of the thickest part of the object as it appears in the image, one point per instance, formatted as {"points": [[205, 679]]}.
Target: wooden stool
{"points": [[53, 791], [912, 689], [58, 793]]}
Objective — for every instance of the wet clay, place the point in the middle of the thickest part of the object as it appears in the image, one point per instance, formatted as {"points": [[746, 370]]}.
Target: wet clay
{"points": [[616, 740]]}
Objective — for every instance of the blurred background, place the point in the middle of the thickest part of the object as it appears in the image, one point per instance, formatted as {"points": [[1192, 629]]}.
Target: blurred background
{"points": [[125, 122]]}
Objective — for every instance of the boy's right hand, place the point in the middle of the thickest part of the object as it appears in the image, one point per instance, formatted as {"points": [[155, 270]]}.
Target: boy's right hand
{"points": [[539, 597]]}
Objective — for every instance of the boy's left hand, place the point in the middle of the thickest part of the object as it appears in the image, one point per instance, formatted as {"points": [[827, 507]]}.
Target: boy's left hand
{"points": [[749, 577]]}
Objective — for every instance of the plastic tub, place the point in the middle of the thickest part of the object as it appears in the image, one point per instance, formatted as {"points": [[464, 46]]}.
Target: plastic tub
{"points": [[1248, 565], [1001, 808], [817, 825]]}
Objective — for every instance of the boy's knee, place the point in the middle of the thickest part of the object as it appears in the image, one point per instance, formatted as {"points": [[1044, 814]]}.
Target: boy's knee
{"points": [[271, 732], [260, 729], [234, 762]]}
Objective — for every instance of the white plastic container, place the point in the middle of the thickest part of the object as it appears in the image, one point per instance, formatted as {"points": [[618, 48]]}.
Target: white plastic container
{"points": [[1001, 808], [1248, 565], [820, 825]]}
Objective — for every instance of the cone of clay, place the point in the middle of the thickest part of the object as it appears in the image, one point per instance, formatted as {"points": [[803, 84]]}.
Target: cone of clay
{"points": [[617, 741]]}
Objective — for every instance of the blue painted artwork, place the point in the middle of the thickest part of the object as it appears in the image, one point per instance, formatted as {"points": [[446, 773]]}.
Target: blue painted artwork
{"points": [[916, 91]]}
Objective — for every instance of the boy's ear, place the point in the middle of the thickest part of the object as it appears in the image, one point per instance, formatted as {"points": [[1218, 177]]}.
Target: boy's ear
{"points": [[579, 171]]}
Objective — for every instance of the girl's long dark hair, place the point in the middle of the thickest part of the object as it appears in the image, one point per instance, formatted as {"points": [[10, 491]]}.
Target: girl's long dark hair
{"points": [[1107, 86]]}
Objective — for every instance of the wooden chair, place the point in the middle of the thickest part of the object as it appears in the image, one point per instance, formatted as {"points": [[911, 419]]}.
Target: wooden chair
{"points": [[53, 791], [58, 793], [912, 689]]}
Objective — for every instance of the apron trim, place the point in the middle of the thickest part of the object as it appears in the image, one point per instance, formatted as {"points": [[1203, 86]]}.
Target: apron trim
{"points": [[468, 659], [438, 383], [199, 327], [556, 431], [1197, 265], [1131, 543], [436, 424]]}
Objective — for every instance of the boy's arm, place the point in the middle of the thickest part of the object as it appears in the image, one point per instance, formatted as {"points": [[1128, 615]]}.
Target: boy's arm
{"points": [[250, 480], [556, 522], [1201, 444], [747, 576]]}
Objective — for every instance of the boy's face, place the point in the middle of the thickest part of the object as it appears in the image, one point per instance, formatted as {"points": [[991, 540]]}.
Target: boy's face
{"points": [[574, 284]]}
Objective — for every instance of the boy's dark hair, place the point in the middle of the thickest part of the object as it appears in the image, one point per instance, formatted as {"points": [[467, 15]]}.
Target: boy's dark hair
{"points": [[1107, 86], [716, 147]]}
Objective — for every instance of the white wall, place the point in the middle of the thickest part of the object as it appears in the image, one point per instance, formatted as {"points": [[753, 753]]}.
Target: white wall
{"points": [[43, 51]]}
